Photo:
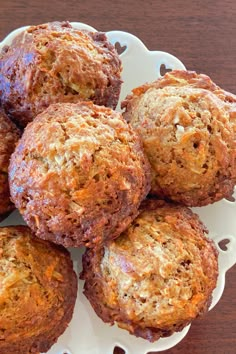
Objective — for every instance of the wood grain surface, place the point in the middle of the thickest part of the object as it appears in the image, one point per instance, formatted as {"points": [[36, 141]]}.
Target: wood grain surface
{"points": [[202, 34]]}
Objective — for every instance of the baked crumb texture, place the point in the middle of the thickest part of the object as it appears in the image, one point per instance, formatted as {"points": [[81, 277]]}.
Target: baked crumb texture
{"points": [[37, 294], [54, 62], [9, 136], [157, 276], [79, 174], [187, 124]]}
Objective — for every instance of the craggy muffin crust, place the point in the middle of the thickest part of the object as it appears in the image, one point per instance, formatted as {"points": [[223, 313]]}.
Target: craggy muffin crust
{"points": [[79, 174], [9, 136], [37, 294], [187, 124], [157, 276], [54, 62]]}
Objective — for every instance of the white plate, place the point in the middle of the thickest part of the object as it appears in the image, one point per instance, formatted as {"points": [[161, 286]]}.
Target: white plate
{"points": [[87, 334]]}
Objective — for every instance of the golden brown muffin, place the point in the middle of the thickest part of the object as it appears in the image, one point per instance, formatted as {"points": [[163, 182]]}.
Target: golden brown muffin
{"points": [[187, 124], [54, 62], [37, 293], [157, 276], [79, 174], [9, 136]]}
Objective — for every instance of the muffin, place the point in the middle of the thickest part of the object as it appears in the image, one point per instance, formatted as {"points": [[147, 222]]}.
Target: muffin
{"points": [[54, 62], [9, 136], [157, 276], [187, 124], [38, 291], [78, 174]]}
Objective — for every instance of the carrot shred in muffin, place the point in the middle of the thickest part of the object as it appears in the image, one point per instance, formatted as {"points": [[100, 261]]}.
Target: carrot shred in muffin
{"points": [[155, 278], [187, 125], [55, 62], [79, 174], [37, 293]]}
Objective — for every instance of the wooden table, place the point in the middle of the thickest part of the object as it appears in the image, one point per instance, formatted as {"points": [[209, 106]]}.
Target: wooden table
{"points": [[202, 34]]}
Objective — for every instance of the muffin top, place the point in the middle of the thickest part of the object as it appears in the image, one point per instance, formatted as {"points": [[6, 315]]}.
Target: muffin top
{"points": [[37, 293], [9, 136], [187, 124], [54, 62], [78, 174], [157, 276]]}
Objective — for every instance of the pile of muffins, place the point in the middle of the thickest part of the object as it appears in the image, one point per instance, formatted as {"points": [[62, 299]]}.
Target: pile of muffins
{"points": [[83, 174]]}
